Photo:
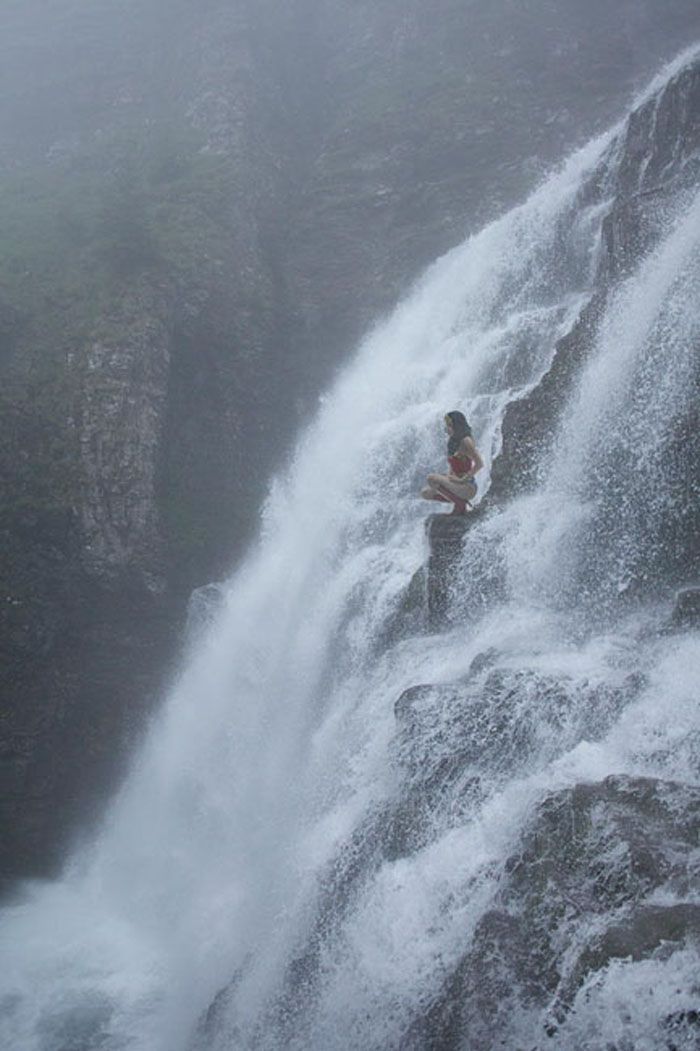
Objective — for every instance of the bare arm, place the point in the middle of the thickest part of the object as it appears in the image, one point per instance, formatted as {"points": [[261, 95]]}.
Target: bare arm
{"points": [[467, 448]]}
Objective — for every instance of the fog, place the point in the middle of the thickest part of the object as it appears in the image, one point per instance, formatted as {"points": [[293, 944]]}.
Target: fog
{"points": [[561, 67]]}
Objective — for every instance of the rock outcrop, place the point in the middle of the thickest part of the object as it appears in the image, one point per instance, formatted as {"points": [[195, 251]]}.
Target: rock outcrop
{"points": [[445, 534], [605, 873], [651, 163], [562, 918]]}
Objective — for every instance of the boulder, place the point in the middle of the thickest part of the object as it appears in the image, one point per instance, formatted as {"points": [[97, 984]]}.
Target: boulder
{"points": [[583, 889]]}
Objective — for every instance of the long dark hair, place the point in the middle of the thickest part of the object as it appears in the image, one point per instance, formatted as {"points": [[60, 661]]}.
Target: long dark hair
{"points": [[460, 429]]}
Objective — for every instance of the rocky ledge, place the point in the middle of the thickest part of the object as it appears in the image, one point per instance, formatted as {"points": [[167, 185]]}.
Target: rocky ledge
{"points": [[562, 917]]}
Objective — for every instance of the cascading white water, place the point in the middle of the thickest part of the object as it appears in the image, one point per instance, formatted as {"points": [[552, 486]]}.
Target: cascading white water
{"points": [[277, 743]]}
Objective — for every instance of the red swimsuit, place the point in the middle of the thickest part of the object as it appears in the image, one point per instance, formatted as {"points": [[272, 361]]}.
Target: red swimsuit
{"points": [[462, 467]]}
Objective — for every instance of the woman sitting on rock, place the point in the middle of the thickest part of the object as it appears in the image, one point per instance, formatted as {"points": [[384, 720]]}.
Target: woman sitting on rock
{"points": [[458, 487]]}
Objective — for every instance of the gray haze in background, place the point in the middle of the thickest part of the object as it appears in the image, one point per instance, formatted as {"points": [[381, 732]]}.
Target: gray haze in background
{"points": [[389, 129]]}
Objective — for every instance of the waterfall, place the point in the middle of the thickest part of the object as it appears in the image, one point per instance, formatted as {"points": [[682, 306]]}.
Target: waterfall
{"points": [[256, 883]]}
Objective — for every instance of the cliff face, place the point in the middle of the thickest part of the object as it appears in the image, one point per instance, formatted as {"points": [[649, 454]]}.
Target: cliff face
{"points": [[434, 122], [649, 164], [139, 323], [558, 926], [602, 873], [201, 212]]}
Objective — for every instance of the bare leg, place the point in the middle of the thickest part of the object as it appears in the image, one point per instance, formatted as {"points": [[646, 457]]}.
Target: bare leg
{"points": [[439, 488], [460, 506], [428, 493]]}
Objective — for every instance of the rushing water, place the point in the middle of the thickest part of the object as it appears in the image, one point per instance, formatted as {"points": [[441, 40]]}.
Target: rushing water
{"points": [[238, 858]]}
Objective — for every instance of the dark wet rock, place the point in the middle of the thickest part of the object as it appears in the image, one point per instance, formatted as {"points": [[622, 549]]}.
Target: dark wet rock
{"points": [[643, 930], [658, 158], [530, 423], [686, 609], [626, 837], [483, 661], [426, 604], [70, 645], [457, 742], [445, 534], [659, 140], [411, 616], [654, 158], [577, 895], [119, 418], [683, 1030]]}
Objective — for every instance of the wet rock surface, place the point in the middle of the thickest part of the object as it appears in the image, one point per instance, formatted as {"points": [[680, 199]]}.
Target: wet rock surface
{"points": [[458, 742], [446, 535], [582, 891], [654, 157], [686, 608]]}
